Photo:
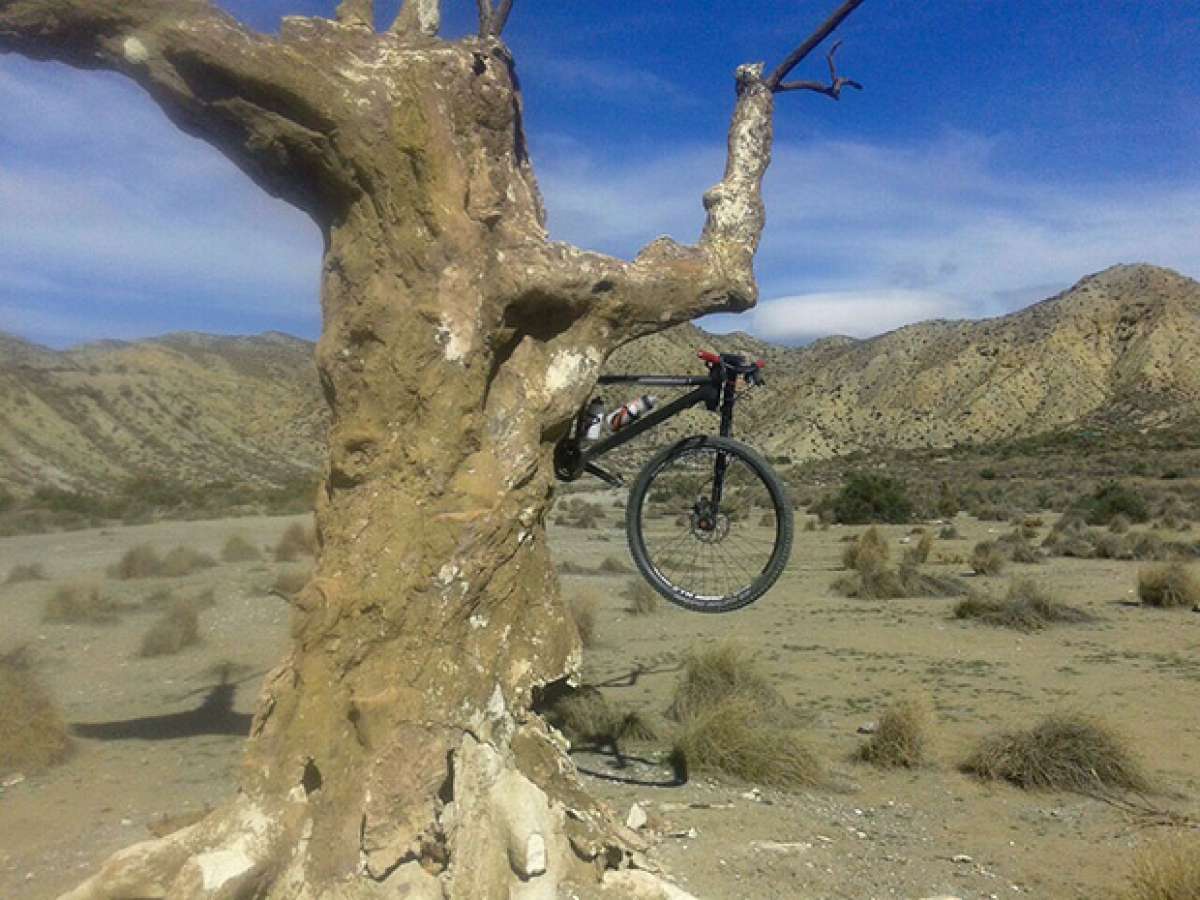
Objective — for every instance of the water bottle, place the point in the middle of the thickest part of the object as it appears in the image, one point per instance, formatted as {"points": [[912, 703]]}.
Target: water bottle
{"points": [[630, 412], [593, 419]]}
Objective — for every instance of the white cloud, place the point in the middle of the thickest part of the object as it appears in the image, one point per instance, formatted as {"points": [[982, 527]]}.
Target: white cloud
{"points": [[120, 211], [105, 212], [913, 231], [855, 313]]}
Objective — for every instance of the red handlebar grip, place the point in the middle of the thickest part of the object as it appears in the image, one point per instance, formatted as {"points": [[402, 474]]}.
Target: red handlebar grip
{"points": [[708, 356]]}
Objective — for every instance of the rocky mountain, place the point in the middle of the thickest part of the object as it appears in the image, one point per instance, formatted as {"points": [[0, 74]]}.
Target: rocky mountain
{"points": [[1119, 349]]}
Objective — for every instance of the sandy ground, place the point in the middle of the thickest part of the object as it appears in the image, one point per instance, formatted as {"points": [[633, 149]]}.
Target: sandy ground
{"points": [[867, 834]]}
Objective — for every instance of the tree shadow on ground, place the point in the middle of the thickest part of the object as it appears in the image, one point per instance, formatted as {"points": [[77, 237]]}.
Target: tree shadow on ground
{"points": [[214, 716]]}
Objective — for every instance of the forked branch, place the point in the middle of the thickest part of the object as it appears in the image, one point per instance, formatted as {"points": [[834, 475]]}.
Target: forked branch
{"points": [[775, 80], [833, 88]]}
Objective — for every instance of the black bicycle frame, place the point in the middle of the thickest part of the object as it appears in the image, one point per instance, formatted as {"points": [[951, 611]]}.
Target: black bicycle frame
{"points": [[712, 390]]}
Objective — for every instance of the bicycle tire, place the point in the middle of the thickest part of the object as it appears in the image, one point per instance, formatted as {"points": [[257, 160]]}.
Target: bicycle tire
{"points": [[652, 562]]}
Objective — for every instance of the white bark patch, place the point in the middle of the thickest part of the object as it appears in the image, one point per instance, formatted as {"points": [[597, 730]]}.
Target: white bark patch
{"points": [[455, 343], [220, 866], [135, 51], [569, 367], [429, 15]]}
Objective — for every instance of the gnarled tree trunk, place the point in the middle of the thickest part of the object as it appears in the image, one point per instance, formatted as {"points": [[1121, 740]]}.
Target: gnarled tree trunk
{"points": [[395, 748]]}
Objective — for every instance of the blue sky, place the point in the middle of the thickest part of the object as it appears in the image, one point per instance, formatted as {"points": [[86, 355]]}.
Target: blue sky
{"points": [[1002, 149]]}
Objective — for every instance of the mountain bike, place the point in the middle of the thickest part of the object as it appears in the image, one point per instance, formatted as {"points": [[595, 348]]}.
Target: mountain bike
{"points": [[708, 521]]}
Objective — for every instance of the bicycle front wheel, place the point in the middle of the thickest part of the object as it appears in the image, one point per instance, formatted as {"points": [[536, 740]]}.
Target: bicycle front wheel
{"points": [[709, 524]]}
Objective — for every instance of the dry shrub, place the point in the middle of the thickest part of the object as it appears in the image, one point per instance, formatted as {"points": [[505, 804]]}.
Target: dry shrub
{"points": [[296, 541], [178, 628], [586, 717], [738, 736], [613, 565], [28, 572], [900, 738], [141, 561], [1065, 752], [810, 524], [290, 581], [869, 550], [1119, 524], [183, 561], [32, 734], [988, 558], [643, 600], [1168, 586], [81, 602], [949, 533], [583, 611], [1168, 869], [1026, 607], [238, 549]]}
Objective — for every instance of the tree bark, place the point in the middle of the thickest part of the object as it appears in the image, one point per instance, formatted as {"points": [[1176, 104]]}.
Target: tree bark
{"points": [[396, 746]]}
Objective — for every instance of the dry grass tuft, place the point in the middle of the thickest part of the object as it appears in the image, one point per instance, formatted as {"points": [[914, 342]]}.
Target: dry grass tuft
{"points": [[613, 565], [918, 554], [1026, 607], [868, 551], [583, 611], [738, 736], [714, 673], [141, 561], [1168, 586], [295, 542], [733, 721], [901, 737], [586, 717], [183, 561], [32, 734], [238, 549], [29, 572], [886, 583], [290, 581], [1168, 869], [988, 558], [178, 628], [1065, 752], [643, 600], [81, 602]]}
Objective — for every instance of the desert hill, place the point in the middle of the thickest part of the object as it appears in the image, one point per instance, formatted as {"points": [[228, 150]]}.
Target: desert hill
{"points": [[187, 407], [1120, 348]]}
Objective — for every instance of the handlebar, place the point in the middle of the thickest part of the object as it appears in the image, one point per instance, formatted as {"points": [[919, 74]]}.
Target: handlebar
{"points": [[751, 371]]}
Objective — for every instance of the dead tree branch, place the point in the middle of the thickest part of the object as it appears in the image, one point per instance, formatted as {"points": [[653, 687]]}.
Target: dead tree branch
{"points": [[419, 17], [267, 107], [500, 17], [357, 13], [492, 19], [811, 43], [832, 89]]}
